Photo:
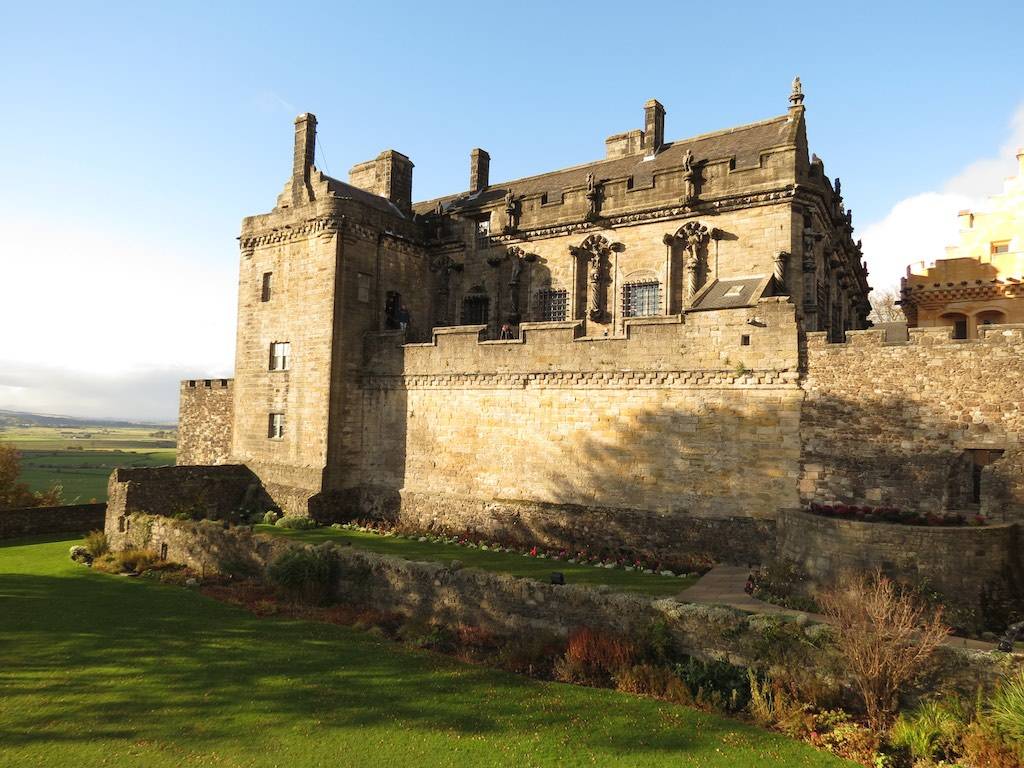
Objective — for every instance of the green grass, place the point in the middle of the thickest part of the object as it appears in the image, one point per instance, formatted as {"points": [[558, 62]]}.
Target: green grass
{"points": [[80, 460], [106, 670], [505, 562]]}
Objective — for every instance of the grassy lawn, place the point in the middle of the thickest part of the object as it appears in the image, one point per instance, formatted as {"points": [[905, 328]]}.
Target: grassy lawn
{"points": [[505, 562], [81, 460], [106, 670]]}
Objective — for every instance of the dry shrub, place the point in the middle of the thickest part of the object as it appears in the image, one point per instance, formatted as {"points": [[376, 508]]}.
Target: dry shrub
{"points": [[885, 636], [651, 680], [983, 746], [134, 560], [96, 543], [772, 706], [593, 657], [476, 638], [530, 655]]}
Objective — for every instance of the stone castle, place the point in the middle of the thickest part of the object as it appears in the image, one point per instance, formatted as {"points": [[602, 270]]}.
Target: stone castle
{"points": [[666, 350]]}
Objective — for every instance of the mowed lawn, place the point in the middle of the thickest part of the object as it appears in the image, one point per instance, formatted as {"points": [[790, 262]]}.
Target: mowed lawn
{"points": [[106, 670], [81, 460], [512, 563]]}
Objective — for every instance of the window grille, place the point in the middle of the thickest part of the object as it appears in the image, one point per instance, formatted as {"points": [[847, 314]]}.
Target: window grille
{"points": [[551, 304], [275, 427], [475, 310], [280, 355], [641, 299]]}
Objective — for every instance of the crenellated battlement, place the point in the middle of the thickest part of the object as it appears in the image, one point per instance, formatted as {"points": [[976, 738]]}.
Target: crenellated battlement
{"points": [[994, 336], [751, 345], [204, 384]]}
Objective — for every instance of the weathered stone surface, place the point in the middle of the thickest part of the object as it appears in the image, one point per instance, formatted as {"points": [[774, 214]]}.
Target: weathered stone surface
{"points": [[205, 421], [33, 521]]}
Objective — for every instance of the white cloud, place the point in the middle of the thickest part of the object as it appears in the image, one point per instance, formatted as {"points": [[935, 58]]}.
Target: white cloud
{"points": [[89, 319], [919, 228]]}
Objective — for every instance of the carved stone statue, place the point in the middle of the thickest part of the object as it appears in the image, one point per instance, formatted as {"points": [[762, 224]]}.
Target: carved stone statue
{"points": [[688, 161], [694, 236], [689, 179], [511, 212], [595, 251], [443, 266], [796, 93], [594, 193]]}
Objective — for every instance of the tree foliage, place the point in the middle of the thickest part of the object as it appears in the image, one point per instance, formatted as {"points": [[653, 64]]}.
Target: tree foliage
{"points": [[14, 494]]}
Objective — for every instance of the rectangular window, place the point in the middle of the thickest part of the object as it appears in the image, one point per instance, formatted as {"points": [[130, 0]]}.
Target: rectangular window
{"points": [[267, 285], [475, 310], [552, 305], [1003, 247], [280, 355], [363, 282], [275, 426], [641, 299], [745, 340], [483, 228]]}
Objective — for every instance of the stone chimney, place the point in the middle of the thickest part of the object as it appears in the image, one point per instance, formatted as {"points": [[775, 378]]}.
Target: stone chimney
{"points": [[654, 126], [388, 175], [479, 170], [302, 161]]}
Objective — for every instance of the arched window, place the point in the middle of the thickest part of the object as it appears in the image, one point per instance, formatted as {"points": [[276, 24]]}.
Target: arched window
{"points": [[990, 317], [958, 321]]}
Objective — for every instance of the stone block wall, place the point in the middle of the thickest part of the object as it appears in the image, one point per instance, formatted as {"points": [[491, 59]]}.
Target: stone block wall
{"points": [[956, 561], [34, 521], [515, 607], [205, 416], [893, 424]]}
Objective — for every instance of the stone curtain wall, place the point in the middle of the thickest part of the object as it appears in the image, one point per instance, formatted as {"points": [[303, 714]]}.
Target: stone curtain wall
{"points": [[213, 491], [661, 443], [514, 607], [958, 562], [34, 521], [205, 414], [889, 423]]}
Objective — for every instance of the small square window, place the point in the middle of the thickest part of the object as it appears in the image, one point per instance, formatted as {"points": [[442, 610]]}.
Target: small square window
{"points": [[745, 340], [275, 426], [268, 279], [280, 355], [1003, 247]]}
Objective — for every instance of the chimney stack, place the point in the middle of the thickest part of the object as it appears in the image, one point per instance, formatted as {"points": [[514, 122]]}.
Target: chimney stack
{"points": [[479, 170], [654, 126], [302, 161]]}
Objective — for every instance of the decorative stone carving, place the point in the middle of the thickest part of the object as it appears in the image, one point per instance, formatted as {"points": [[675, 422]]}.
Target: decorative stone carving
{"points": [[690, 177], [779, 273], [512, 209], [443, 266], [519, 258], [693, 237], [595, 252], [796, 93], [595, 194]]}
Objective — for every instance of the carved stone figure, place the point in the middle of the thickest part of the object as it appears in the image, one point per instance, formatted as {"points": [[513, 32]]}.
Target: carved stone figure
{"points": [[595, 251], [511, 212], [518, 258], [796, 93], [443, 266], [694, 237], [594, 193], [689, 178]]}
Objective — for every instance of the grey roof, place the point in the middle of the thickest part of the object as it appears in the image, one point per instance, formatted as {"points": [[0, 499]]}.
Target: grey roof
{"points": [[344, 190], [743, 143], [729, 294]]}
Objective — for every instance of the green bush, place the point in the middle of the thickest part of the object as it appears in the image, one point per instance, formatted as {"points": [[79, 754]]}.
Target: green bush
{"points": [[270, 517], [930, 732], [307, 574], [1005, 711], [296, 522], [97, 544], [719, 683]]}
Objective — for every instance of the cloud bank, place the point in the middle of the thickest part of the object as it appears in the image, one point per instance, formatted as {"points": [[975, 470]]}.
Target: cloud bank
{"points": [[919, 228]]}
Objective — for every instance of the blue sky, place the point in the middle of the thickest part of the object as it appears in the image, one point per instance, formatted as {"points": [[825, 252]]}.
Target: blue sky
{"points": [[136, 136]]}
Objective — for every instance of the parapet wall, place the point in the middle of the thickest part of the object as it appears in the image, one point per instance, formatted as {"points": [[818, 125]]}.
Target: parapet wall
{"points": [[679, 439], [205, 416], [897, 424], [34, 521]]}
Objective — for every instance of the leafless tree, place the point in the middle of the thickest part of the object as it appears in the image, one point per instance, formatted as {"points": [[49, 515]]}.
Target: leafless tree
{"points": [[884, 307]]}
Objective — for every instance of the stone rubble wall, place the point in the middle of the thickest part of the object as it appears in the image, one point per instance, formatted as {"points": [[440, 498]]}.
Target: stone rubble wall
{"points": [[958, 562], [515, 607], [888, 424], [35, 521], [206, 412]]}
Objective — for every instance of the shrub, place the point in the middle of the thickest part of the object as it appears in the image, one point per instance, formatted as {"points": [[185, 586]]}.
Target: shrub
{"points": [[134, 560], [984, 746], [652, 680], [930, 732], [97, 544], [80, 554], [885, 637], [1005, 711], [270, 517], [307, 574], [594, 657], [296, 522], [530, 655], [770, 706], [720, 685]]}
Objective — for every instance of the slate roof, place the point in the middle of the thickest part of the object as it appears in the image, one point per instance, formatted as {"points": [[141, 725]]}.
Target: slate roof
{"points": [[729, 294], [345, 190], [744, 143]]}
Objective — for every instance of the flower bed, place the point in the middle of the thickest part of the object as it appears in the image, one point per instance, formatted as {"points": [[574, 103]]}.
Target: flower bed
{"points": [[893, 515]]}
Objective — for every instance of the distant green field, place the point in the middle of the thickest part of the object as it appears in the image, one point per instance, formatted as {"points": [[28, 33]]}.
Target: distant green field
{"points": [[80, 460]]}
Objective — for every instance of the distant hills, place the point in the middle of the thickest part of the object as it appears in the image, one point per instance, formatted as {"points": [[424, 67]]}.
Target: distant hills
{"points": [[21, 418]]}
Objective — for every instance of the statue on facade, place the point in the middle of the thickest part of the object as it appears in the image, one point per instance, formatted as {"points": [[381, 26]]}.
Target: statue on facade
{"points": [[594, 193], [519, 259], [694, 236], [443, 266], [595, 252], [796, 93], [511, 212], [689, 178]]}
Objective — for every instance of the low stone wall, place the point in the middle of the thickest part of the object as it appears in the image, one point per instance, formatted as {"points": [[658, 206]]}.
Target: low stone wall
{"points": [[673, 537], [514, 607], [956, 561], [210, 490], [34, 521]]}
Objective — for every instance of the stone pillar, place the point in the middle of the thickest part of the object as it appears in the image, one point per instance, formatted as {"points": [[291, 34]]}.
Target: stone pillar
{"points": [[654, 126], [479, 170]]}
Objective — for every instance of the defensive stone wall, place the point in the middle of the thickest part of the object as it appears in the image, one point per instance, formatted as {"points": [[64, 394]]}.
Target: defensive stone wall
{"points": [[959, 562], [34, 521], [206, 413], [899, 424], [515, 607], [213, 491], [681, 438]]}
